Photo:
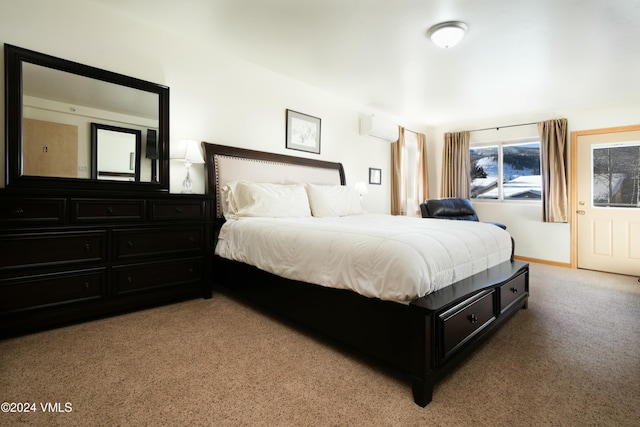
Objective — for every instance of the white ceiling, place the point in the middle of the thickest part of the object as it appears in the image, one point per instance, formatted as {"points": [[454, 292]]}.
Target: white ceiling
{"points": [[519, 56]]}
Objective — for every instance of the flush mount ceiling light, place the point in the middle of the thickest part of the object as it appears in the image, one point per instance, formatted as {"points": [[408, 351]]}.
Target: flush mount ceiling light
{"points": [[447, 34]]}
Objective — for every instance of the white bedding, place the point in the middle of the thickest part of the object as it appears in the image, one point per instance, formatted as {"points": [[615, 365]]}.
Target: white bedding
{"points": [[388, 257]]}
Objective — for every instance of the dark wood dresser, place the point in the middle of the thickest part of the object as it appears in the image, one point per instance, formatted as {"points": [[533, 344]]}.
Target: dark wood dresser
{"points": [[66, 259], [88, 226]]}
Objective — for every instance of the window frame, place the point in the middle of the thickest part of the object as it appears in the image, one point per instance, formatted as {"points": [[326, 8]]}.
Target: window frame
{"points": [[500, 144]]}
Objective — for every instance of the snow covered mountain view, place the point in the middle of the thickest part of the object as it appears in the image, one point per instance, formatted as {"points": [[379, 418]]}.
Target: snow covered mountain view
{"points": [[521, 172]]}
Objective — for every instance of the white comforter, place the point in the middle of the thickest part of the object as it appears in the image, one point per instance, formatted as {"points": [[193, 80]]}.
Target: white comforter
{"points": [[388, 257]]}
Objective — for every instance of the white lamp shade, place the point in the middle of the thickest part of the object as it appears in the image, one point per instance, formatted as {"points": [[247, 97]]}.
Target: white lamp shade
{"points": [[187, 150], [447, 34]]}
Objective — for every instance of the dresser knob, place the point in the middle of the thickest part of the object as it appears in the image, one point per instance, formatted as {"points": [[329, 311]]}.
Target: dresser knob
{"points": [[129, 280], [191, 270], [87, 285], [111, 211], [130, 244], [178, 210], [514, 290], [192, 239], [87, 247], [18, 211], [473, 318]]}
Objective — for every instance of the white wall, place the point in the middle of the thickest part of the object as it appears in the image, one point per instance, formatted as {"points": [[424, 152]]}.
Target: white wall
{"points": [[213, 97], [534, 239]]}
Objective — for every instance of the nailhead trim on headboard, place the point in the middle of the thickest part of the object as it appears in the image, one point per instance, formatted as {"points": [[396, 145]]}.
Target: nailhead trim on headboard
{"points": [[230, 168]]}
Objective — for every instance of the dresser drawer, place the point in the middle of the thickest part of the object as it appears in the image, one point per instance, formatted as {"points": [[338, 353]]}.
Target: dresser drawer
{"points": [[31, 250], [177, 210], [146, 276], [33, 211], [466, 319], [29, 293], [157, 241], [512, 291], [89, 210]]}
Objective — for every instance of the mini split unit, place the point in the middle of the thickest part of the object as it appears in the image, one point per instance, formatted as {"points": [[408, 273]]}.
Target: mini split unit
{"points": [[378, 128]]}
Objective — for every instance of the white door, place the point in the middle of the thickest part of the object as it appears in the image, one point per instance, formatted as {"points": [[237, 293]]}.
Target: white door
{"points": [[608, 200]]}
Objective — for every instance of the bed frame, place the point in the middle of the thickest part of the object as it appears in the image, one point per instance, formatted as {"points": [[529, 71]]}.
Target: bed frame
{"points": [[425, 339]]}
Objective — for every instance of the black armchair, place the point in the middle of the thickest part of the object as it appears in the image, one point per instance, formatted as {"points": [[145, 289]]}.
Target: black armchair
{"points": [[457, 209], [451, 208]]}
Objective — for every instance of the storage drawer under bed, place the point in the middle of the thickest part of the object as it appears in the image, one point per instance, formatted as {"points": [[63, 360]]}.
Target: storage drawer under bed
{"points": [[513, 291], [463, 321]]}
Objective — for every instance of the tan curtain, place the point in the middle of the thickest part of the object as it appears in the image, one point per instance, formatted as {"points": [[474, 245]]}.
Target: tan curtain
{"points": [[398, 186], [553, 161], [456, 165], [423, 176]]}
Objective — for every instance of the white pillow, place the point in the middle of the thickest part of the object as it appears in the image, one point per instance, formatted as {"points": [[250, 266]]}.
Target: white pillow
{"points": [[227, 204], [266, 200], [334, 200]]}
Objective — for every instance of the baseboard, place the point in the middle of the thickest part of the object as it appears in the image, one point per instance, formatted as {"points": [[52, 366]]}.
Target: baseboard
{"points": [[543, 261]]}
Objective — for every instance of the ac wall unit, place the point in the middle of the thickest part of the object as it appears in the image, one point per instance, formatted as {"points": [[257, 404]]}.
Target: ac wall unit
{"points": [[378, 128]]}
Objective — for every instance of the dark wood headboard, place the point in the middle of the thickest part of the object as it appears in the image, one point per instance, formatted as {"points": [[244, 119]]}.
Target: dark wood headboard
{"points": [[281, 168]]}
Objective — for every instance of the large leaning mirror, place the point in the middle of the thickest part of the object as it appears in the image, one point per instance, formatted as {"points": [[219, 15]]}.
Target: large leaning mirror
{"points": [[71, 125]]}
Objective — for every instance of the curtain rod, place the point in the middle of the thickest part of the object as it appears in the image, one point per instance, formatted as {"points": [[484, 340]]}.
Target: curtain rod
{"points": [[502, 127], [409, 130]]}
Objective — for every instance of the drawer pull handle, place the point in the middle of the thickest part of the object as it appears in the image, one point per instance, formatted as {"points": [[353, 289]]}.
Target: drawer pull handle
{"points": [[130, 244], [129, 280], [192, 239], [87, 247], [18, 211], [191, 270], [111, 211], [179, 210], [87, 286], [514, 290], [473, 318]]}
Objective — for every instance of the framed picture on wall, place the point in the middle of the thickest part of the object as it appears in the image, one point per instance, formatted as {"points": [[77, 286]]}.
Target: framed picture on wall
{"points": [[375, 176], [303, 132]]}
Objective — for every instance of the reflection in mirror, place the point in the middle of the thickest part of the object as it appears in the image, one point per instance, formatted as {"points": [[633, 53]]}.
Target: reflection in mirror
{"points": [[58, 100], [49, 149], [51, 106], [115, 153]]}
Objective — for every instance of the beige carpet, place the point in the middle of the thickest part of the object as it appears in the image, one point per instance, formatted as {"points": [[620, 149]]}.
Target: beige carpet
{"points": [[571, 359]]}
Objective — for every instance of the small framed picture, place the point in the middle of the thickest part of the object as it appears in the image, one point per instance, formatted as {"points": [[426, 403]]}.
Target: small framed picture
{"points": [[303, 132], [375, 176]]}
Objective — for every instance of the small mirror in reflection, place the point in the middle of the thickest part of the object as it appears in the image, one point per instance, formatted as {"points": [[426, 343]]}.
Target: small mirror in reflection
{"points": [[115, 153]]}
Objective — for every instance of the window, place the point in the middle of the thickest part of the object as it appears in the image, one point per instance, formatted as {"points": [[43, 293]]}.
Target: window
{"points": [[616, 174], [411, 170], [506, 171]]}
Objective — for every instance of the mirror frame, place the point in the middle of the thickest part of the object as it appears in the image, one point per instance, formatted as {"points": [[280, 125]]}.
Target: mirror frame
{"points": [[14, 57]]}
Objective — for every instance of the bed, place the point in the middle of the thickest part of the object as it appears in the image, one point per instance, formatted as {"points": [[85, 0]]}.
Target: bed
{"points": [[424, 328]]}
